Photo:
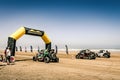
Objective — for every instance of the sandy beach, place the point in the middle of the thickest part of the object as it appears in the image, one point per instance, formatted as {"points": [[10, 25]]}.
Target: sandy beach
{"points": [[68, 68], [65, 26]]}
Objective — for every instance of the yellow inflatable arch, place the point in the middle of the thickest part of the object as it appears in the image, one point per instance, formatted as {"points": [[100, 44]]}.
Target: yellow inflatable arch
{"points": [[24, 30]]}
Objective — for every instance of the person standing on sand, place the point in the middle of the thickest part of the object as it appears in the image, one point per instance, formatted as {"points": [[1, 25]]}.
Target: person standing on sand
{"points": [[1, 57], [8, 54]]}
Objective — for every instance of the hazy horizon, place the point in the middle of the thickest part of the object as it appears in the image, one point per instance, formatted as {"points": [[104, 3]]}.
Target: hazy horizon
{"points": [[77, 23]]}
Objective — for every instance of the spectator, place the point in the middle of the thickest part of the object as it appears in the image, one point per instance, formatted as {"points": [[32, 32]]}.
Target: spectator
{"points": [[1, 58], [8, 54]]}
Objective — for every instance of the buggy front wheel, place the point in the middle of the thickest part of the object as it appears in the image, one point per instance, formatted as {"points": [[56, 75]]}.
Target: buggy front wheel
{"points": [[46, 59]]}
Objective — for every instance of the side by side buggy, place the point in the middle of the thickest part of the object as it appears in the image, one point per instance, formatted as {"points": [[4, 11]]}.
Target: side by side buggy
{"points": [[46, 56], [86, 54], [103, 53]]}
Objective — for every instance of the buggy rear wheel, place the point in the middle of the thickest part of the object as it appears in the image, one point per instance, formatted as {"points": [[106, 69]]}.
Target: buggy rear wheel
{"points": [[57, 60]]}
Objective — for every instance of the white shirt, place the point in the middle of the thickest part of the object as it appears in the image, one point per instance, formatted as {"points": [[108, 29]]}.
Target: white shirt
{"points": [[8, 52]]}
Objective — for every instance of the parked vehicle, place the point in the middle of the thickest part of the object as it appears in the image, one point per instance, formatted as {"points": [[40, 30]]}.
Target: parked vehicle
{"points": [[46, 56], [86, 54], [103, 53]]}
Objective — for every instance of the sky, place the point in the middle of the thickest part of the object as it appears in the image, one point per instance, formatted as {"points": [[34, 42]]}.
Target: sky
{"points": [[77, 23]]}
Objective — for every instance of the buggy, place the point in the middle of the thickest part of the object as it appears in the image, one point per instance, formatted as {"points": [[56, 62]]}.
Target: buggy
{"points": [[46, 56], [86, 54], [103, 53]]}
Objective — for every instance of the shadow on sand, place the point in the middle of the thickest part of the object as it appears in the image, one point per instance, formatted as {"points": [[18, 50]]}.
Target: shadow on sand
{"points": [[23, 60]]}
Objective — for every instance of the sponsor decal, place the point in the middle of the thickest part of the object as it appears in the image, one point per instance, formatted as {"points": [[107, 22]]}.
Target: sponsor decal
{"points": [[37, 32]]}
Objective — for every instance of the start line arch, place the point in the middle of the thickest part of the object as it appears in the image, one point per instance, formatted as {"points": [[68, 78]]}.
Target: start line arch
{"points": [[29, 31]]}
